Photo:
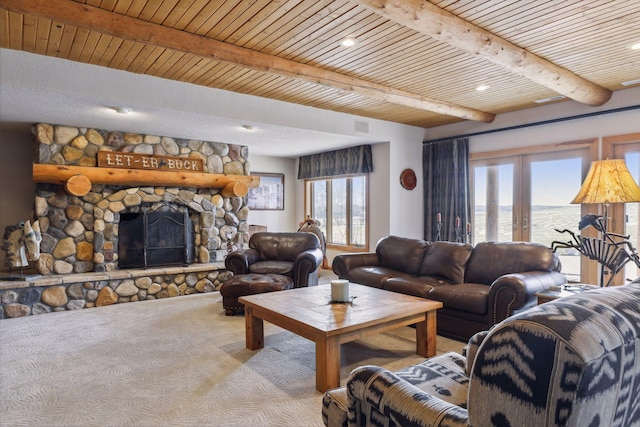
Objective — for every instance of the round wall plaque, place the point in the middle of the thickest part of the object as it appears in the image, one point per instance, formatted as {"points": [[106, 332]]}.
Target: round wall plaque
{"points": [[408, 179]]}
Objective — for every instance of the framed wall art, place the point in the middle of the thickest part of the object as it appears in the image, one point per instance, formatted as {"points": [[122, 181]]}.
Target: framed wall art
{"points": [[269, 195]]}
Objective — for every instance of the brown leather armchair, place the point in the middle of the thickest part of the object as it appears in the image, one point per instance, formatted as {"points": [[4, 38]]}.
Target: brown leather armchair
{"points": [[296, 255]]}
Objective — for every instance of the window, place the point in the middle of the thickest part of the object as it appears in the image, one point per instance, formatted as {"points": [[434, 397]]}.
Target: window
{"points": [[631, 213], [625, 217], [527, 196], [341, 206]]}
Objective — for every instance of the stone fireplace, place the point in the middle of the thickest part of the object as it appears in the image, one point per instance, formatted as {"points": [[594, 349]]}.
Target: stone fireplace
{"points": [[81, 205], [81, 233]]}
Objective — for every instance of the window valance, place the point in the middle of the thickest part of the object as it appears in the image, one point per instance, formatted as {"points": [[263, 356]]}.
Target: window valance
{"points": [[348, 161]]}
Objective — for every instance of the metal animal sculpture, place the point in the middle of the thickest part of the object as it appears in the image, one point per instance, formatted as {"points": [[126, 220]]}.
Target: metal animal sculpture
{"points": [[613, 250], [22, 244]]}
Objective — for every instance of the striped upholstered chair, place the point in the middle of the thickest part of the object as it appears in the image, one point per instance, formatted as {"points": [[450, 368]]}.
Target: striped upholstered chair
{"points": [[574, 361]]}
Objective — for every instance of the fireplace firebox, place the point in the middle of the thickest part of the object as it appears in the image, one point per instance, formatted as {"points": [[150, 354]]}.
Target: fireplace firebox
{"points": [[162, 237]]}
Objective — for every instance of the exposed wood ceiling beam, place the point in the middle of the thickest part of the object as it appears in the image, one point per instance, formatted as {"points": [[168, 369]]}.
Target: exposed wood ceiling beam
{"points": [[430, 20], [135, 30]]}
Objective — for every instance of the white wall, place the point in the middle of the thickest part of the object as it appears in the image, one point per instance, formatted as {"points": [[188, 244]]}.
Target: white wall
{"points": [[380, 210], [278, 220], [392, 209], [407, 206], [586, 128], [288, 220]]}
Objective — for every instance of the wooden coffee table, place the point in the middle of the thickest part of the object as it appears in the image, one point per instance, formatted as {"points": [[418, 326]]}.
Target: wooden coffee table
{"points": [[309, 313]]}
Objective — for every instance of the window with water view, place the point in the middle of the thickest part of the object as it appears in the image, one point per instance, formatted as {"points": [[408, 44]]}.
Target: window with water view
{"points": [[526, 198]]}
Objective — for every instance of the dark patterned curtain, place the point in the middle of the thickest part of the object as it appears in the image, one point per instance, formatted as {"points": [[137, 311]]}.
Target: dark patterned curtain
{"points": [[349, 161], [447, 197]]}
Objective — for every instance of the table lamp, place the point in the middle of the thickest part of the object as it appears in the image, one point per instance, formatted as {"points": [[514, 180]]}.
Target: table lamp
{"points": [[608, 181]]}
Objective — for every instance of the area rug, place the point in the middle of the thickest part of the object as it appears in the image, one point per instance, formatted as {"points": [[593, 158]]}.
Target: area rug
{"points": [[170, 362]]}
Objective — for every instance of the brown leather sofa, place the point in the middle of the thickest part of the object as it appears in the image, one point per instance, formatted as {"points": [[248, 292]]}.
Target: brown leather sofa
{"points": [[478, 286], [295, 255]]}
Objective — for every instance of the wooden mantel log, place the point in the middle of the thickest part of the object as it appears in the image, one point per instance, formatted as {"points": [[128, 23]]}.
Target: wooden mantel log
{"points": [[78, 185], [236, 188], [61, 174]]}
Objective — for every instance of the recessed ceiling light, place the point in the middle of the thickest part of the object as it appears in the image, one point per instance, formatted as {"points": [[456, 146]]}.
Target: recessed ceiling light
{"points": [[121, 110], [248, 128], [348, 42], [551, 98], [482, 88], [630, 82], [635, 46]]}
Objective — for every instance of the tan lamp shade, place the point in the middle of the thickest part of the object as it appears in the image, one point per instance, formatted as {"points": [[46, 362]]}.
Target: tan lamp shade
{"points": [[608, 181]]}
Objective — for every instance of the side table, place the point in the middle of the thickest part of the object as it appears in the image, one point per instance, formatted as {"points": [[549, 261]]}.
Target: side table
{"points": [[562, 291]]}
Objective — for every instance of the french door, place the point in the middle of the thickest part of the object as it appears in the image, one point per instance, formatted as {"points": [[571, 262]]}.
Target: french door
{"points": [[526, 197], [626, 216]]}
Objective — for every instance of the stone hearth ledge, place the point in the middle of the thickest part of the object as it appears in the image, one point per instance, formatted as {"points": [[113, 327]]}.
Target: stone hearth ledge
{"points": [[46, 294], [67, 279]]}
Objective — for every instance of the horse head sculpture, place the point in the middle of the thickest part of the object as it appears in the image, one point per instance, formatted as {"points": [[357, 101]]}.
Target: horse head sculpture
{"points": [[22, 243]]}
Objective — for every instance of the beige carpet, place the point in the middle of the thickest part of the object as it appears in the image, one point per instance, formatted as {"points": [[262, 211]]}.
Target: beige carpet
{"points": [[170, 362]]}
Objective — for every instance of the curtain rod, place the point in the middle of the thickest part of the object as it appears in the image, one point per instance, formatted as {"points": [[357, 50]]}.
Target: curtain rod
{"points": [[544, 122]]}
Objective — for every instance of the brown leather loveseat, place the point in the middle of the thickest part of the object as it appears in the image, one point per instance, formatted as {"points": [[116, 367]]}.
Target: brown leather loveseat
{"points": [[478, 286]]}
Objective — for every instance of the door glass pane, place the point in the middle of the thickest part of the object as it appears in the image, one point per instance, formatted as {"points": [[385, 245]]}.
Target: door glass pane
{"points": [[631, 212], [319, 204], [554, 184], [493, 219], [358, 210], [339, 211]]}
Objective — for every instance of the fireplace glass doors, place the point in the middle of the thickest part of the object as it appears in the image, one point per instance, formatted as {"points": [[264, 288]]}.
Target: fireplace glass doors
{"points": [[163, 237]]}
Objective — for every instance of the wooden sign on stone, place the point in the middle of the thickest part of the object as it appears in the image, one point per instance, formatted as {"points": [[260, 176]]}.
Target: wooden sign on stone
{"points": [[114, 159]]}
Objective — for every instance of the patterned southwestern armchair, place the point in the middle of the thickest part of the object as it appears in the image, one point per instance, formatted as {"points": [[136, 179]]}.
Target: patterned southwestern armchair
{"points": [[574, 361]]}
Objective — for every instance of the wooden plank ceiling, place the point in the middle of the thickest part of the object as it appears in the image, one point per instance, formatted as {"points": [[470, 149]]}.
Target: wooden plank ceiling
{"points": [[411, 64]]}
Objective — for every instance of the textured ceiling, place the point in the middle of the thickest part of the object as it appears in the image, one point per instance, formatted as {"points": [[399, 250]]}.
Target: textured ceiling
{"points": [[288, 50]]}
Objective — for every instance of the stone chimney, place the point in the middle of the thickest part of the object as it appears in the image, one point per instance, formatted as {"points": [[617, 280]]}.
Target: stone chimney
{"points": [[80, 232]]}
